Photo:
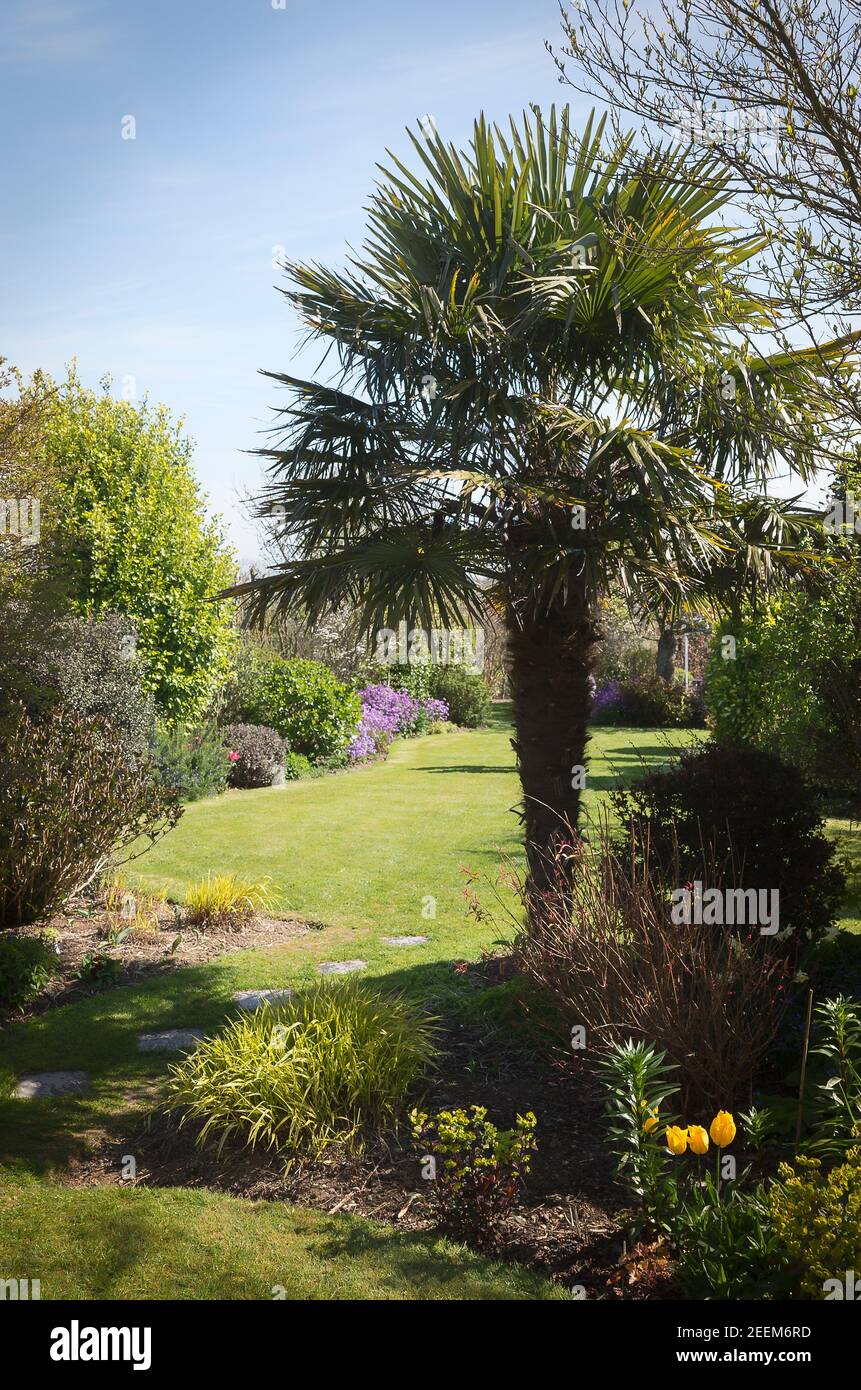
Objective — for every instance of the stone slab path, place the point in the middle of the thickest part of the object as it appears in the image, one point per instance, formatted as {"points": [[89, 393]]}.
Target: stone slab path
{"points": [[170, 1040], [42, 1084], [405, 940], [340, 967], [253, 998]]}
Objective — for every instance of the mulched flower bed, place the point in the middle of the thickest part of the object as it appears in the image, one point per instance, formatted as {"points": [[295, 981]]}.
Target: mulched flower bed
{"points": [[82, 932], [569, 1226]]}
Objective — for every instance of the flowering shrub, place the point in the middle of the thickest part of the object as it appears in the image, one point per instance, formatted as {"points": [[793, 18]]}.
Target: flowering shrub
{"points": [[386, 713], [647, 702], [254, 752], [818, 1219], [477, 1169]]}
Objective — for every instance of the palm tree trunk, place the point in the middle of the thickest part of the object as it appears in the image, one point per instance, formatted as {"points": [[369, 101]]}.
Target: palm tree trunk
{"points": [[550, 663], [665, 662]]}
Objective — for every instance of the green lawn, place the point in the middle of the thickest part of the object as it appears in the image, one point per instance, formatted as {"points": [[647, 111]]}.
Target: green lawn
{"points": [[357, 852], [172, 1243]]}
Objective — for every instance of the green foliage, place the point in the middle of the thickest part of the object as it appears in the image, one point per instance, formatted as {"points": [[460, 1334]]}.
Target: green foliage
{"points": [[255, 753], [647, 702], [838, 1114], [727, 1245], [26, 965], [639, 1084], [193, 763], [817, 1218], [794, 687], [323, 1069], [142, 545], [307, 704], [296, 766], [465, 693], [413, 677], [756, 811], [99, 673], [69, 801], [225, 901], [478, 1170]]}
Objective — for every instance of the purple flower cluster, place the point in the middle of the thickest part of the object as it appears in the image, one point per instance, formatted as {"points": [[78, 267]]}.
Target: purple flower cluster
{"points": [[606, 696], [387, 713]]}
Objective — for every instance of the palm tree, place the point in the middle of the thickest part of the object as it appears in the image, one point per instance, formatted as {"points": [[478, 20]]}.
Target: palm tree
{"points": [[532, 403]]}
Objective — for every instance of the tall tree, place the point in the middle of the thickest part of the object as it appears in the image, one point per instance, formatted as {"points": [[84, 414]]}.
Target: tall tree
{"points": [[533, 397]]}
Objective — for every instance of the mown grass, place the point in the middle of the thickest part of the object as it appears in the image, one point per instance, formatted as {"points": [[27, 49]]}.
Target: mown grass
{"points": [[109, 1243]]}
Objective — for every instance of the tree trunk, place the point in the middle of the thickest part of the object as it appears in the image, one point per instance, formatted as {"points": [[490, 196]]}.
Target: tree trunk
{"points": [[550, 662], [666, 654]]}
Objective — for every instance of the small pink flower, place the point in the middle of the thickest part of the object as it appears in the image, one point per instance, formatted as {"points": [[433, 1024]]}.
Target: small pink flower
{"points": [[234, 757]]}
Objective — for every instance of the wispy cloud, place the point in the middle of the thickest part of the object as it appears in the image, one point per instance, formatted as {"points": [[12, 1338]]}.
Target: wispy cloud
{"points": [[63, 34]]}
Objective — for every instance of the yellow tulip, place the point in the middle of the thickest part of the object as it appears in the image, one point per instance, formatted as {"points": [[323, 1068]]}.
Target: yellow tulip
{"points": [[698, 1139], [722, 1129], [651, 1122], [677, 1140]]}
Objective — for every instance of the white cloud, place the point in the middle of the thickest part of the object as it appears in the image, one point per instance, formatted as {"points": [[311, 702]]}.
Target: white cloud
{"points": [[62, 34]]}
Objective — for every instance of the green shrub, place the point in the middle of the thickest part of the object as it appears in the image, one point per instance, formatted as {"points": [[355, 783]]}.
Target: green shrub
{"points": [[192, 764], [26, 965], [411, 677], [817, 1219], [140, 540], [296, 766], [465, 693], [307, 704], [475, 1170], [728, 1247], [69, 801], [255, 754], [322, 1069], [647, 702], [748, 804]]}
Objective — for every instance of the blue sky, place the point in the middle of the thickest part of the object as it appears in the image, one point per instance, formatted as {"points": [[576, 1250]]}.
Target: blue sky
{"points": [[256, 129]]}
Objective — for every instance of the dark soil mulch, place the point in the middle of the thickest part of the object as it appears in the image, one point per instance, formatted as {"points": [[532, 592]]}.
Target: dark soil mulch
{"points": [[83, 930], [569, 1226]]}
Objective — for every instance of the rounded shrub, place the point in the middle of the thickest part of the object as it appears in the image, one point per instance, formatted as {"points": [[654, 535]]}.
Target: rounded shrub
{"points": [[747, 806], [324, 1068], [464, 692], [307, 704], [647, 702], [255, 754]]}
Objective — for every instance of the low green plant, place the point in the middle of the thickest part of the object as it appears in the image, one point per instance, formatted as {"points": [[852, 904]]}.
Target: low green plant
{"points": [[192, 763], [325, 1068], [225, 901], [838, 1109], [817, 1218], [639, 1083], [26, 965], [296, 766], [475, 1170], [465, 692], [98, 968], [727, 1246]]}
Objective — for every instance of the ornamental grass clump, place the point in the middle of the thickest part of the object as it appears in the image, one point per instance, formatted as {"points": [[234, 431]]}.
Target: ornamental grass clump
{"points": [[225, 901], [328, 1067]]}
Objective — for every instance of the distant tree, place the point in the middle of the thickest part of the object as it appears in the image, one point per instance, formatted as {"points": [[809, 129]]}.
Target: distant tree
{"points": [[140, 544]]}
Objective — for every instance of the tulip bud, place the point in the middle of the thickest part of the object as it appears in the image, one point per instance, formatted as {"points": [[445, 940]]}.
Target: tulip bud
{"points": [[698, 1139], [677, 1140], [722, 1129], [651, 1121]]}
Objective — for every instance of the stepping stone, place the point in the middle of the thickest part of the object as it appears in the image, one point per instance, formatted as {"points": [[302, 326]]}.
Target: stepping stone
{"points": [[171, 1040], [405, 940], [52, 1083], [340, 967], [253, 998]]}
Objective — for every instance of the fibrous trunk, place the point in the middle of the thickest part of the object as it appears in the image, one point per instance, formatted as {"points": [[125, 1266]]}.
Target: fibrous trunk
{"points": [[550, 661]]}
